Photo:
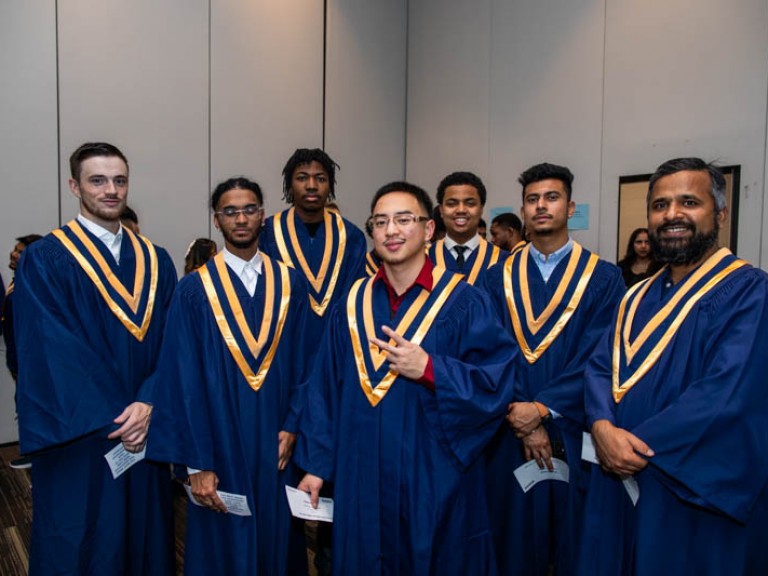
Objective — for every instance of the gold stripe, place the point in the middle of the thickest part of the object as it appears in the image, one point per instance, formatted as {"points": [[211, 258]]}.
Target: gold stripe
{"points": [[132, 301], [315, 281], [371, 268], [375, 395], [534, 325], [619, 389], [255, 380], [631, 348], [477, 267]]}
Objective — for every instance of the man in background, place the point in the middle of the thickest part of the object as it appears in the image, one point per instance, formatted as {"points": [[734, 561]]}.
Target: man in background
{"points": [[507, 232], [461, 197]]}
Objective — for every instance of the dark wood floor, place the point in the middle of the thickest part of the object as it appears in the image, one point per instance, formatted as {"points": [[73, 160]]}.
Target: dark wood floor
{"points": [[16, 518]]}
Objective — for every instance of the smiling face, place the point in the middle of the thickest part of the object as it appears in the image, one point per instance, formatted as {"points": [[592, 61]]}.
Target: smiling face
{"points": [[102, 189], [682, 221], [401, 244], [461, 211], [310, 186]]}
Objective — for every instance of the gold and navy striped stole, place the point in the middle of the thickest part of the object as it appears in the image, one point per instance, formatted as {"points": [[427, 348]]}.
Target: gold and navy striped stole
{"points": [[322, 284], [132, 306], [372, 263], [486, 255], [633, 358], [252, 354], [376, 378], [535, 334]]}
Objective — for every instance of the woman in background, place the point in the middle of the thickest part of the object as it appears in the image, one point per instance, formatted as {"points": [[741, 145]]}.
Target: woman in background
{"points": [[198, 253], [638, 263]]}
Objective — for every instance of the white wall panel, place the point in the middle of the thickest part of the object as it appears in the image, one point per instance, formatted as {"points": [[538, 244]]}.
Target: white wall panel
{"points": [[687, 78], [365, 98], [546, 98], [28, 152], [448, 89], [136, 74], [266, 88]]}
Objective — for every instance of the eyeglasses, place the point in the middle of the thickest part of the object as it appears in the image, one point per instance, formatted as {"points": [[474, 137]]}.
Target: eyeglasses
{"points": [[232, 212], [402, 221]]}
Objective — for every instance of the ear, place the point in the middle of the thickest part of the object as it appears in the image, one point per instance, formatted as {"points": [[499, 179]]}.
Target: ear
{"points": [[429, 230], [571, 208], [722, 216], [216, 222], [74, 187]]}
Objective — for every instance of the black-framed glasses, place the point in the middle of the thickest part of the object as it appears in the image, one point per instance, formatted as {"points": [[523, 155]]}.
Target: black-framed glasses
{"points": [[232, 212], [402, 221]]}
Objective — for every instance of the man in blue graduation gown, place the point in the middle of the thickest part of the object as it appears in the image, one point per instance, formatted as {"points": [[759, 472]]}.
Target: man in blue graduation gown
{"points": [[555, 298], [413, 374], [91, 299], [461, 198], [322, 246], [676, 398], [227, 395]]}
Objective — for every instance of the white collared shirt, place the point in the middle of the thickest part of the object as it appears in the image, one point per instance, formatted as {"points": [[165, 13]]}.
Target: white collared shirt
{"points": [[110, 240], [241, 268], [546, 263], [472, 244]]}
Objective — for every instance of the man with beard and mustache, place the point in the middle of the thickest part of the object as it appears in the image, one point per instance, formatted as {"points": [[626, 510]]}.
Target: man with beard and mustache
{"points": [[227, 395], [676, 400], [555, 298], [461, 198], [92, 296]]}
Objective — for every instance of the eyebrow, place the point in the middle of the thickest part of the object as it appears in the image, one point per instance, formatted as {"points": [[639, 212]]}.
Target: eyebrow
{"points": [[395, 214]]}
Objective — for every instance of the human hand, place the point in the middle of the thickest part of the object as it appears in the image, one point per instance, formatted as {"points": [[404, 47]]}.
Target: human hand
{"points": [[285, 443], [619, 450], [537, 447], [134, 421], [404, 357], [523, 417], [311, 484], [204, 484]]}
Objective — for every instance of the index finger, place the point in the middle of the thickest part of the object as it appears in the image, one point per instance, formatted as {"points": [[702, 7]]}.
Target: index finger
{"points": [[381, 344], [394, 335]]}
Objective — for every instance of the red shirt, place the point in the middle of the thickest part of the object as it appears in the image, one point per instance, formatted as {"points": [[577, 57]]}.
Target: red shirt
{"points": [[424, 279]]}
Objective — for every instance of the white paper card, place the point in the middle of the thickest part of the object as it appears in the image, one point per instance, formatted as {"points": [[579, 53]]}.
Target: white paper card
{"points": [[119, 459], [236, 503], [529, 474], [301, 508], [630, 485], [588, 451]]}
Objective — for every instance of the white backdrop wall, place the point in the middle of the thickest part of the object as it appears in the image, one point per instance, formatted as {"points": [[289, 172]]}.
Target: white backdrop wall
{"points": [[607, 87], [193, 91]]}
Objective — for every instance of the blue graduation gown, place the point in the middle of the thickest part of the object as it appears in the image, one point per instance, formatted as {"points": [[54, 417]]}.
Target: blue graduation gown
{"points": [[532, 529], [473, 270], [409, 481], [313, 248], [79, 367], [208, 417], [703, 409]]}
